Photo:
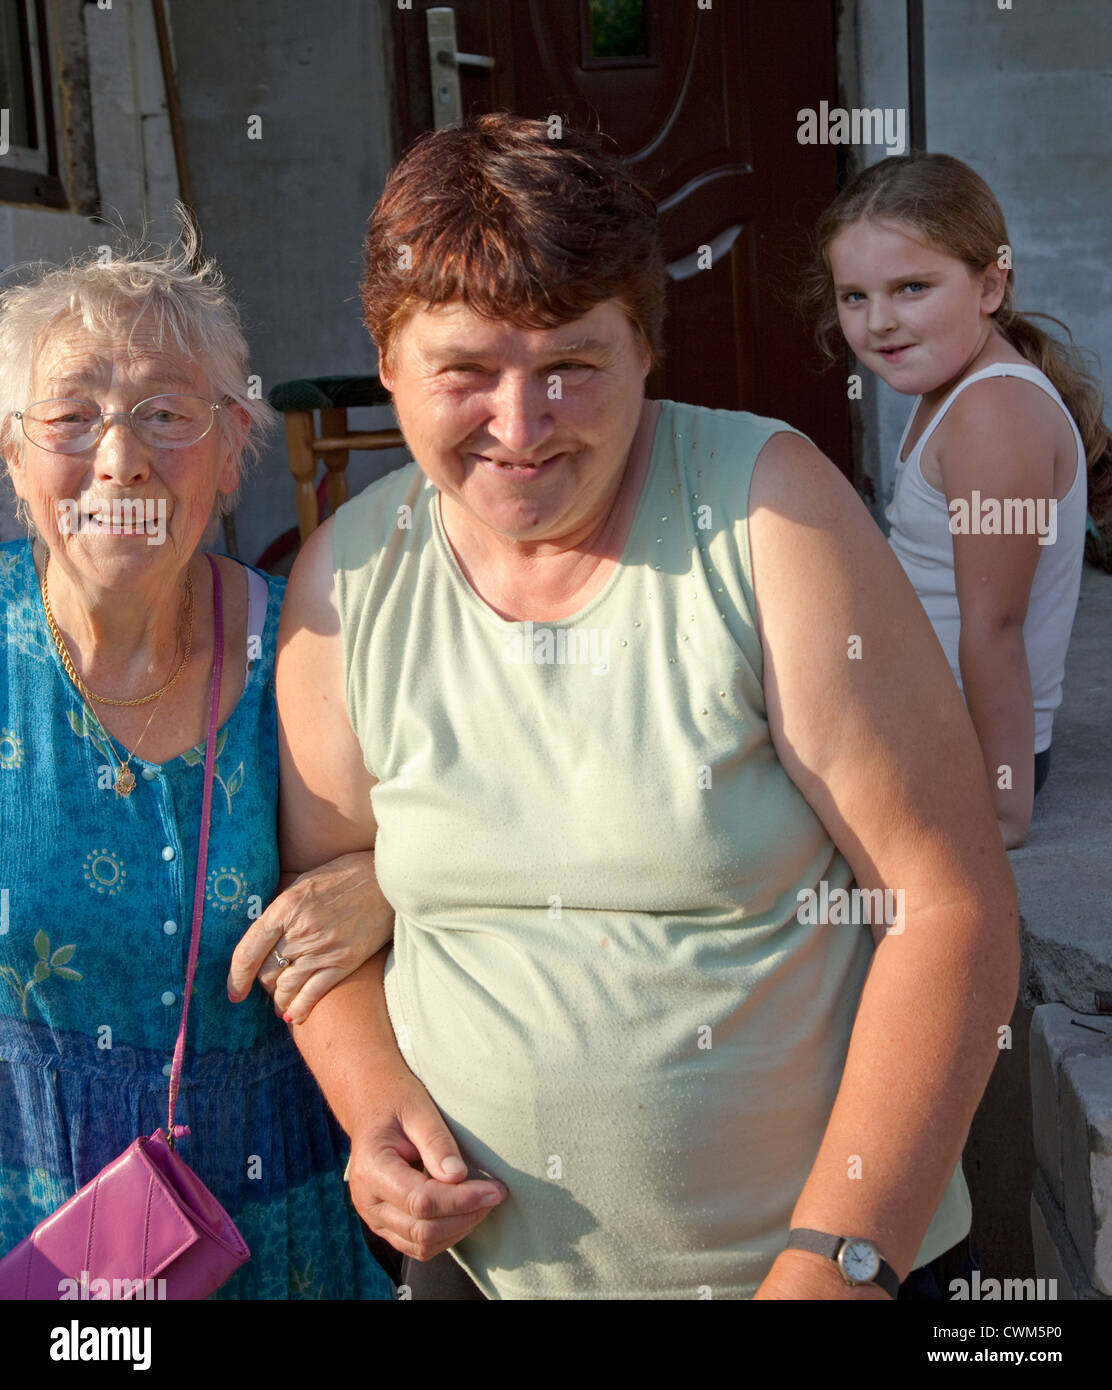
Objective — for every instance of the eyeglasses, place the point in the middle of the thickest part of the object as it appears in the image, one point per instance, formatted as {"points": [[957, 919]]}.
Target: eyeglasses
{"points": [[65, 426]]}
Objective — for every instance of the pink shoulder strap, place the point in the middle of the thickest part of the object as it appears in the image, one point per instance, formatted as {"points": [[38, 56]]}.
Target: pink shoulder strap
{"points": [[202, 844]]}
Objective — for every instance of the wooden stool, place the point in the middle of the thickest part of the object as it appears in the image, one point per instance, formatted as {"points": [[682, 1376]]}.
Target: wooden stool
{"points": [[333, 396]]}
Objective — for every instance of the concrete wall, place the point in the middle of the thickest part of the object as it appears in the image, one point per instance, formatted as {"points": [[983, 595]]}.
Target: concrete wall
{"points": [[283, 214], [1071, 1202], [136, 175], [1022, 95]]}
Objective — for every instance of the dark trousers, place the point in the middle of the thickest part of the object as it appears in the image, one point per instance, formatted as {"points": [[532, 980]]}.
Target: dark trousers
{"points": [[932, 1282], [1042, 768], [443, 1279], [439, 1278]]}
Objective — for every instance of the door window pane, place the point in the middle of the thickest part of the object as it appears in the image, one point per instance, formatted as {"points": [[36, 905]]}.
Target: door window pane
{"points": [[16, 96], [618, 29]]}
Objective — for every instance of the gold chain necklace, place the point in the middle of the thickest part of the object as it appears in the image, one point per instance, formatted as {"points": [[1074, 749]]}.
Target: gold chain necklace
{"points": [[124, 784], [63, 651]]}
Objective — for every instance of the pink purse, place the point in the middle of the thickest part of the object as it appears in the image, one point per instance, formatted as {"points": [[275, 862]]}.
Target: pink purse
{"points": [[146, 1216]]}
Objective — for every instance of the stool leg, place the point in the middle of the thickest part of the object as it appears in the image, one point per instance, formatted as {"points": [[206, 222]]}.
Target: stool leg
{"points": [[303, 466], [333, 425]]}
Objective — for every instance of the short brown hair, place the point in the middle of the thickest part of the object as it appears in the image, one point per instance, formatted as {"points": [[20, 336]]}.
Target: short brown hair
{"points": [[520, 225]]}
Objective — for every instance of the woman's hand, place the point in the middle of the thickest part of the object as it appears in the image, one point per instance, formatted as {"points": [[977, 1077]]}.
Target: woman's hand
{"points": [[326, 923], [419, 1214], [798, 1274]]}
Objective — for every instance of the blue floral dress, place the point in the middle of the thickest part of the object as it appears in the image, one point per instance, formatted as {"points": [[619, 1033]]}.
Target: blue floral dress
{"points": [[96, 896]]}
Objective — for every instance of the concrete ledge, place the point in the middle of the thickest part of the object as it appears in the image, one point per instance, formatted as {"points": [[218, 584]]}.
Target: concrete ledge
{"points": [[1064, 876], [1086, 1127], [1064, 872], [1055, 1255], [1057, 1036]]}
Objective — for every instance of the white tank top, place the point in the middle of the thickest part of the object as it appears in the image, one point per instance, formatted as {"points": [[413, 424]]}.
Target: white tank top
{"points": [[921, 539], [256, 616]]}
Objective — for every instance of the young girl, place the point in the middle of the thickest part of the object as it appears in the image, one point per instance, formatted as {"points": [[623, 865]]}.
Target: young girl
{"points": [[988, 518]]}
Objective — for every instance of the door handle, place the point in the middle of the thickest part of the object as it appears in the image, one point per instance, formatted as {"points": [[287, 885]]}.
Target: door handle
{"points": [[464, 60], [445, 61]]}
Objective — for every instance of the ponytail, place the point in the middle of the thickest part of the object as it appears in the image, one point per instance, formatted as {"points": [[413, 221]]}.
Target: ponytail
{"points": [[1069, 372]]}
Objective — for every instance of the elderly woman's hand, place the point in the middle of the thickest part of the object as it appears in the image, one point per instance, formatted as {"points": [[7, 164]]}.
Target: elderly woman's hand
{"points": [[327, 922]]}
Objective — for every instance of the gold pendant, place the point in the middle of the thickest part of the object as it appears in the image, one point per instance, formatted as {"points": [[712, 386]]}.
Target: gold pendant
{"points": [[125, 782]]}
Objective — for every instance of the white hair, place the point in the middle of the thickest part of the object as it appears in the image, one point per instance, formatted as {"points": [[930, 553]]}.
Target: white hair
{"points": [[171, 290]]}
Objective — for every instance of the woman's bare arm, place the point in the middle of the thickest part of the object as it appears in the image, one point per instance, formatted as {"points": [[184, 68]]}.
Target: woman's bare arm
{"points": [[330, 914], [348, 1041], [883, 749]]}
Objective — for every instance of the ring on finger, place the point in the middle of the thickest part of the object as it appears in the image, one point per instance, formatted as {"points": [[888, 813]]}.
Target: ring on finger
{"points": [[282, 960]]}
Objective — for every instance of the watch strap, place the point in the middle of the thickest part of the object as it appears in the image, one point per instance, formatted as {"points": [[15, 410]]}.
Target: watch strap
{"points": [[822, 1243]]}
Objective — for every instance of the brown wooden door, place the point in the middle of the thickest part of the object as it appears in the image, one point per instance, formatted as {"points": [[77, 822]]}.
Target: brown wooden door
{"points": [[703, 102]]}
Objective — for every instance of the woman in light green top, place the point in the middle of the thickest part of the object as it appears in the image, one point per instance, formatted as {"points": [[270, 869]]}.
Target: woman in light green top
{"points": [[645, 727]]}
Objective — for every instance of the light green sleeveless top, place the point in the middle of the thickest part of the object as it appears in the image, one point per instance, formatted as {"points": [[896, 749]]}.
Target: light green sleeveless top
{"points": [[595, 857]]}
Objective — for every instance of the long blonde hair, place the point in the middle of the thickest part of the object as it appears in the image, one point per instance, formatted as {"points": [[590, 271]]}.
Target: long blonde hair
{"points": [[954, 210]]}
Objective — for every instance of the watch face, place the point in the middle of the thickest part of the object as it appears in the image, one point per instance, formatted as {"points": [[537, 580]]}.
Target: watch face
{"points": [[860, 1261]]}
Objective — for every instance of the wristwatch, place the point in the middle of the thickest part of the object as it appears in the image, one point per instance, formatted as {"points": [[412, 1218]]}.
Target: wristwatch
{"points": [[858, 1259]]}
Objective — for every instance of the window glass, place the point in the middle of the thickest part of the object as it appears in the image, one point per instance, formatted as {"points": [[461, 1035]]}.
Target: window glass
{"points": [[618, 29], [15, 96]]}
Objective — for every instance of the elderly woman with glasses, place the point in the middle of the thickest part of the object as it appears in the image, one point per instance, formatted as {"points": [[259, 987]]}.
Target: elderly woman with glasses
{"points": [[704, 927], [125, 421]]}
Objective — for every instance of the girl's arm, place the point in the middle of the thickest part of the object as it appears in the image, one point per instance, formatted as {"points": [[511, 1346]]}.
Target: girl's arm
{"points": [[884, 751], [997, 685], [999, 438]]}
